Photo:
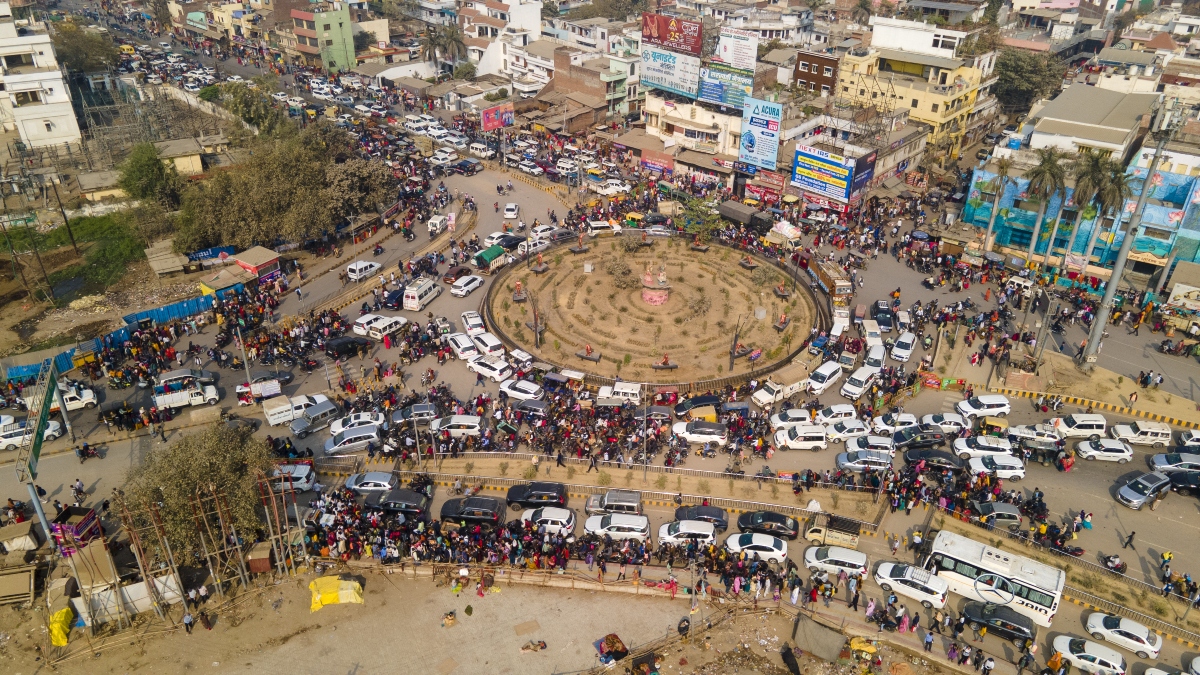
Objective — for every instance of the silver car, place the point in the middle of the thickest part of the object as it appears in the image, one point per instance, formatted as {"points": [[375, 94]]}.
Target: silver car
{"points": [[1144, 489]]}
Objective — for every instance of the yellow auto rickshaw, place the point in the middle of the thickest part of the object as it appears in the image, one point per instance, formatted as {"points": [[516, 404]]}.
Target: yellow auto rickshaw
{"points": [[634, 219], [993, 426], [750, 201]]}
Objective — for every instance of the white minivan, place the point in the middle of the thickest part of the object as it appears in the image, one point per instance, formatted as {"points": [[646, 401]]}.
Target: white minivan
{"points": [[419, 294], [824, 377]]}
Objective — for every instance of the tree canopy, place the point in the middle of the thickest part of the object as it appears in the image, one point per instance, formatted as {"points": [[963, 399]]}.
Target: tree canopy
{"points": [[145, 176], [82, 51], [1024, 77], [255, 108], [220, 456]]}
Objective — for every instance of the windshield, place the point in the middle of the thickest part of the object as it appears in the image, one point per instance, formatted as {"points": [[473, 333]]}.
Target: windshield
{"points": [[1173, 458], [974, 402], [989, 463], [769, 389], [1140, 487], [852, 456], [904, 344], [889, 419], [605, 521], [840, 427], [818, 377], [855, 382], [1076, 646], [536, 516], [826, 413], [1112, 622], [822, 553], [673, 529]]}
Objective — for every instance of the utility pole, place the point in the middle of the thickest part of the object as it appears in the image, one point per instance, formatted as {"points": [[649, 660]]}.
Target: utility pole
{"points": [[1043, 337], [37, 254], [1163, 130], [66, 221]]}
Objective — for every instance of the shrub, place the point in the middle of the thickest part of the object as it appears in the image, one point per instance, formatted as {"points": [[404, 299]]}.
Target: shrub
{"points": [[503, 468], [530, 472], [660, 482], [704, 486], [604, 478], [570, 471], [469, 467]]}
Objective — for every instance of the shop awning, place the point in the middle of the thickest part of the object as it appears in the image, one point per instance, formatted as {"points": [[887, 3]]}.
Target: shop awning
{"points": [[707, 162]]}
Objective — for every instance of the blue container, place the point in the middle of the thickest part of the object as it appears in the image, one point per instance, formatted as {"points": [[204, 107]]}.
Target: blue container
{"points": [[1014, 143]]}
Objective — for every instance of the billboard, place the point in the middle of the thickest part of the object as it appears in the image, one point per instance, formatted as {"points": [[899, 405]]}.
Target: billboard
{"points": [[822, 173], [725, 86], [737, 49], [677, 73], [864, 170], [760, 133], [1183, 295], [672, 33], [497, 117], [657, 161]]}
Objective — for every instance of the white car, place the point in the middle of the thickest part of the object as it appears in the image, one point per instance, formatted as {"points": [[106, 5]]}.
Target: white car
{"points": [[890, 423], [495, 237], [982, 446], [835, 413], [522, 390], [618, 185], [758, 546], [859, 461], [951, 423], [511, 210], [903, 349], [557, 520], [790, 418], [541, 231], [530, 168], [1034, 432], [1088, 656], [1004, 467], [1125, 633], [1105, 449], [834, 559], [1189, 438], [363, 324], [234, 78], [687, 531], [473, 323], [491, 367], [280, 96], [840, 432], [566, 166], [362, 269], [619, 526], [463, 287], [462, 345], [361, 419], [914, 582], [985, 405], [533, 246], [702, 432], [296, 101], [872, 443]]}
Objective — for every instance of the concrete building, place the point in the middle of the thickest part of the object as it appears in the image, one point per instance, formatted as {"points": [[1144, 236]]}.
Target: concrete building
{"points": [[952, 13], [1084, 117], [603, 78], [817, 72], [325, 36], [531, 66], [591, 35], [692, 126], [35, 101], [492, 27]]}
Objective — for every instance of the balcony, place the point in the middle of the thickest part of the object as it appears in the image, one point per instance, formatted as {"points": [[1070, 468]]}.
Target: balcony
{"points": [[615, 94], [307, 48], [707, 147], [611, 76]]}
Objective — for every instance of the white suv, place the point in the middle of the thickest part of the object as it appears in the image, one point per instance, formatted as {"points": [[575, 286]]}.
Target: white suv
{"points": [[492, 367], [982, 446], [993, 405], [619, 526]]}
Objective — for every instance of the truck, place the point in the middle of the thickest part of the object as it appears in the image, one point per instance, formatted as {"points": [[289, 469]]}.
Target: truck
{"points": [[836, 532], [786, 236], [841, 321], [745, 215], [619, 394], [174, 398], [74, 396], [833, 280], [771, 392], [284, 411]]}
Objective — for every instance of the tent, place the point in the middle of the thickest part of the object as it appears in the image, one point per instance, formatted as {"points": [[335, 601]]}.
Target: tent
{"points": [[334, 591]]}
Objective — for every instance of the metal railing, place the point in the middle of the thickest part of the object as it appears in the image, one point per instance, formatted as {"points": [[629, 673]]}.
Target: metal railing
{"points": [[350, 464], [1146, 620]]}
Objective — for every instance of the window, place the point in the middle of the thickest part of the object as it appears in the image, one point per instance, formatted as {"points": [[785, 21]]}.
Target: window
{"points": [[828, 71], [801, 83], [329, 43], [326, 27], [914, 103], [944, 41], [49, 125], [824, 89], [935, 107], [28, 97], [846, 89], [812, 86], [804, 66]]}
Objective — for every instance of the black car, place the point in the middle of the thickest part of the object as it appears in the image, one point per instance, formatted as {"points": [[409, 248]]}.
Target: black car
{"points": [[467, 167], [510, 242], [935, 459], [534, 495], [882, 313], [655, 218], [414, 505], [919, 437], [560, 235], [708, 514], [687, 404], [482, 511], [1185, 482], [1001, 621], [345, 346], [769, 522], [394, 299]]}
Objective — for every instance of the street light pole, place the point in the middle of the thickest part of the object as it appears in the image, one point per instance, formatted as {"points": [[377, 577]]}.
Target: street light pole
{"points": [[1163, 129]]}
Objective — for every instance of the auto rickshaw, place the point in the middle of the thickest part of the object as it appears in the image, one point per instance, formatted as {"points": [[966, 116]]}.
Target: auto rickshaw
{"points": [[1040, 450], [750, 201], [634, 219], [666, 396], [993, 426]]}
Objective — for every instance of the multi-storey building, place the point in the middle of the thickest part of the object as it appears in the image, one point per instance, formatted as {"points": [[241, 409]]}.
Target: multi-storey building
{"points": [[325, 36], [35, 101]]}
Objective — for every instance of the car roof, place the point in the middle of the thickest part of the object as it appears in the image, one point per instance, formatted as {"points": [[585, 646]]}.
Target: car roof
{"points": [[697, 526], [383, 476], [555, 512], [627, 519]]}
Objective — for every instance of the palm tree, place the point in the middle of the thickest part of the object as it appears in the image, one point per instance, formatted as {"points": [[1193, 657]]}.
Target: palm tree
{"points": [[453, 46], [1090, 174], [1069, 168], [1045, 179], [1003, 167], [431, 43], [862, 11], [1110, 200]]}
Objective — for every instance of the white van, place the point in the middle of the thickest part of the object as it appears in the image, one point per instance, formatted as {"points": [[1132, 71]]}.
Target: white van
{"points": [[871, 333], [390, 325], [1157, 434], [859, 382], [481, 151], [802, 437], [599, 228], [419, 294], [1080, 425], [438, 135], [417, 128], [824, 376], [875, 357]]}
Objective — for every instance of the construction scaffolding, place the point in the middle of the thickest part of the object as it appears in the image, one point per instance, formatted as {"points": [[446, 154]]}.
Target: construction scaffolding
{"points": [[219, 540], [99, 582], [280, 509], [152, 551], [868, 108]]}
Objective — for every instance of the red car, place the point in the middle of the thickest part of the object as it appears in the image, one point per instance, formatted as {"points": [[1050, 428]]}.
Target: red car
{"points": [[455, 273]]}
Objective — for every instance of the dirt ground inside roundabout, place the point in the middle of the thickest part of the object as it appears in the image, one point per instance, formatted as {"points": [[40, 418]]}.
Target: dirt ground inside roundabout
{"points": [[598, 299]]}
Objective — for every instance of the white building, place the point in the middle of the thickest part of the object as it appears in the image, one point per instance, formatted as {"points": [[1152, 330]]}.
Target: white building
{"points": [[35, 101], [1090, 118], [489, 26]]}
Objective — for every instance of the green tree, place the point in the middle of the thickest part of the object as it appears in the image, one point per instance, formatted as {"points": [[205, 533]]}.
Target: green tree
{"points": [[454, 46], [1003, 169], [1090, 174], [1024, 77], [148, 219], [1046, 179], [363, 41], [211, 93], [1124, 20], [699, 220], [357, 186], [1110, 200], [464, 71], [767, 47], [145, 176], [550, 9], [254, 107], [82, 51], [862, 11], [228, 459]]}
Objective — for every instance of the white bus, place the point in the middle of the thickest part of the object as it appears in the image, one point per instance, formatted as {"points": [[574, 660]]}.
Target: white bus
{"points": [[979, 572]]}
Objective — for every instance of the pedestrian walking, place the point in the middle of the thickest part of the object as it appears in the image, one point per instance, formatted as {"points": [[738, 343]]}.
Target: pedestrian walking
{"points": [[187, 622], [1165, 559], [928, 641], [1129, 541], [854, 601], [980, 633], [977, 661], [988, 665], [1133, 397], [202, 592], [1026, 662], [621, 571], [603, 569]]}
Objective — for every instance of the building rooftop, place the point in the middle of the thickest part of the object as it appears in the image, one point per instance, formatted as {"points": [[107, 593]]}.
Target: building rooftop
{"points": [[98, 180], [923, 59], [256, 256], [1127, 56], [1162, 41], [542, 48], [181, 147], [948, 6], [1087, 131], [780, 56], [1085, 105]]}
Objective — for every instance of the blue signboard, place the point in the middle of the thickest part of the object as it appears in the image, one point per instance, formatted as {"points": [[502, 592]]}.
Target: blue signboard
{"points": [[760, 133], [823, 173], [725, 86]]}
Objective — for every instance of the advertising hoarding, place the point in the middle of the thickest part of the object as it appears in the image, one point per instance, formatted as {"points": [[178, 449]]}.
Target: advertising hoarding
{"points": [[737, 49], [657, 161], [677, 73], [497, 117], [822, 173], [725, 86], [1183, 295], [864, 170], [760, 133], [673, 33]]}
